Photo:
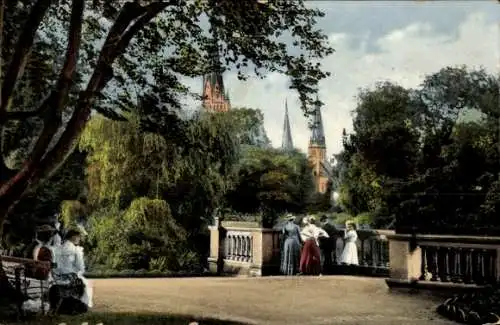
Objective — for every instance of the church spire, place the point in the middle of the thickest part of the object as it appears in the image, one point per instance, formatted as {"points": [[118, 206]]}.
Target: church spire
{"points": [[214, 76], [318, 132], [286, 142], [214, 96]]}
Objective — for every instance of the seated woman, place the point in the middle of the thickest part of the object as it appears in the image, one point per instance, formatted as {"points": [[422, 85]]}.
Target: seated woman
{"points": [[44, 251], [71, 267]]}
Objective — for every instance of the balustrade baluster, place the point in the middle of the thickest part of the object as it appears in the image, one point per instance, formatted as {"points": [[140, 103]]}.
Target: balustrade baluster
{"points": [[234, 247], [243, 248], [240, 251], [381, 262], [481, 274], [424, 270], [250, 249], [468, 274], [446, 269], [435, 264], [492, 266], [372, 252], [363, 259], [457, 265]]}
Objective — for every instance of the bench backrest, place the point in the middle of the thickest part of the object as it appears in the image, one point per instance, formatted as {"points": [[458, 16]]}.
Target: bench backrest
{"points": [[39, 270]]}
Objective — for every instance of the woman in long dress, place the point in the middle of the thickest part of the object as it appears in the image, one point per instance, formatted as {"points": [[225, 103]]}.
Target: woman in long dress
{"points": [[290, 254], [350, 253], [310, 259], [70, 261]]}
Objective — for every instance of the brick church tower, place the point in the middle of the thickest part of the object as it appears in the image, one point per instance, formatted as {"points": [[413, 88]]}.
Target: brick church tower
{"points": [[317, 153], [215, 99]]}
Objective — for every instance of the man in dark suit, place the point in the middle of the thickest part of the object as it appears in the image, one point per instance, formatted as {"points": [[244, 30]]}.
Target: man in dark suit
{"points": [[327, 245]]}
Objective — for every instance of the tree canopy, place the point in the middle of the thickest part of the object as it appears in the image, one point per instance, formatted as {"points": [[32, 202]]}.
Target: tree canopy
{"points": [[100, 64], [271, 181], [413, 159]]}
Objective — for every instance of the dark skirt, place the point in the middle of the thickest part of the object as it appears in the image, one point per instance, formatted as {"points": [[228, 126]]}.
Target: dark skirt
{"points": [[310, 259], [290, 256]]}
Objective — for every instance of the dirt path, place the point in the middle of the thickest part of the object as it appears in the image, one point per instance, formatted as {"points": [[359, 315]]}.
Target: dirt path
{"points": [[271, 300]]}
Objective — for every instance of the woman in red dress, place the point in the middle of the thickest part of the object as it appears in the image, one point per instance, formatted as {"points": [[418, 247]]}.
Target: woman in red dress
{"points": [[310, 258]]}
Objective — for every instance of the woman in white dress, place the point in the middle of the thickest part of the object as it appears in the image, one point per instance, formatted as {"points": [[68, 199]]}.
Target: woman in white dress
{"points": [[350, 253], [70, 261]]}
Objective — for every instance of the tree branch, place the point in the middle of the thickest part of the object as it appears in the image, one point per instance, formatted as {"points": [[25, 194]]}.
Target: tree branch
{"points": [[130, 21], [18, 184], [21, 54], [24, 115], [3, 166]]}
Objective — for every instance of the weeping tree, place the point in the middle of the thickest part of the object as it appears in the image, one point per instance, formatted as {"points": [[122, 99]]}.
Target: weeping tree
{"points": [[250, 35]]}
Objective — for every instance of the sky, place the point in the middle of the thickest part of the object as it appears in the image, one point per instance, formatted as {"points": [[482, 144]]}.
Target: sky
{"points": [[375, 41]]}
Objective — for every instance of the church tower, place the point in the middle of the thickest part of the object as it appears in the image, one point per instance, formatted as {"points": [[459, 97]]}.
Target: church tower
{"points": [[317, 153], [286, 140], [215, 99]]}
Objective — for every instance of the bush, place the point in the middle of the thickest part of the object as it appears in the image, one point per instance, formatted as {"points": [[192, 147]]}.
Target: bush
{"points": [[143, 237]]}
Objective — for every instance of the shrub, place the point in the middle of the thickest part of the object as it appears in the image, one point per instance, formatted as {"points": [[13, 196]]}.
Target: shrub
{"points": [[145, 236]]}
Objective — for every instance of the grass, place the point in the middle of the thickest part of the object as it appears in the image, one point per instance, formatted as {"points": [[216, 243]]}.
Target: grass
{"points": [[94, 318]]}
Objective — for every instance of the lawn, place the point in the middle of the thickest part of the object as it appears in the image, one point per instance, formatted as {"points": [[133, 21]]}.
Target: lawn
{"points": [[110, 318]]}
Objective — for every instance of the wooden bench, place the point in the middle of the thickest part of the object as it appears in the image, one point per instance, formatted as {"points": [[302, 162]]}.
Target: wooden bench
{"points": [[29, 278]]}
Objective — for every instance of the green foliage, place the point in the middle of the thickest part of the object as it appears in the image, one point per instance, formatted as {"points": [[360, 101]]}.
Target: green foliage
{"points": [[249, 126], [189, 168], [143, 60], [413, 159], [145, 236], [270, 181]]}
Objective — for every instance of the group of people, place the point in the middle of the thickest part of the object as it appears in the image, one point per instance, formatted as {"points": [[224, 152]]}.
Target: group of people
{"points": [[307, 250], [67, 258]]}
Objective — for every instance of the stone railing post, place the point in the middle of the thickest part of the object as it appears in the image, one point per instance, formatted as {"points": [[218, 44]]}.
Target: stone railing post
{"points": [[405, 261], [217, 246]]}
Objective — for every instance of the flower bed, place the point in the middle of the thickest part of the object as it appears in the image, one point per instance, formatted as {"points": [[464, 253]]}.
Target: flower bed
{"points": [[477, 308]]}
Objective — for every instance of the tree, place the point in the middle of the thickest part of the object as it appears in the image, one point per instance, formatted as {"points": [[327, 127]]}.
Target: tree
{"points": [[381, 151], [271, 181], [250, 35], [185, 162], [412, 159], [249, 126]]}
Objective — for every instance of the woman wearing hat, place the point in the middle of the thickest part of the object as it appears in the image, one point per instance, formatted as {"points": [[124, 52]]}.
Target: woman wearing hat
{"points": [[350, 253], [310, 260], [70, 261], [290, 254]]}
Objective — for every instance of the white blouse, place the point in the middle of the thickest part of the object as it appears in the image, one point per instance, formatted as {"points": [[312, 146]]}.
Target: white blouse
{"points": [[313, 232], [351, 236], [70, 259]]}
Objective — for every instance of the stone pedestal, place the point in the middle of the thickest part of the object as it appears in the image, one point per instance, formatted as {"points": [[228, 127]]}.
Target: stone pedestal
{"points": [[405, 261]]}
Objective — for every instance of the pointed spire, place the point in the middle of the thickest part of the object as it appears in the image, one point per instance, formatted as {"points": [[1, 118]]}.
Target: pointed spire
{"points": [[286, 142], [318, 132], [215, 74]]}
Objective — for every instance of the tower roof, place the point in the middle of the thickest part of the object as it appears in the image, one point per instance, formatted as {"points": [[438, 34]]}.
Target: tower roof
{"points": [[317, 130], [286, 142], [215, 74]]}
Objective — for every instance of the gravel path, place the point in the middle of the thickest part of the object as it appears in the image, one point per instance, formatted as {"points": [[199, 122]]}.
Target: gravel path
{"points": [[271, 300]]}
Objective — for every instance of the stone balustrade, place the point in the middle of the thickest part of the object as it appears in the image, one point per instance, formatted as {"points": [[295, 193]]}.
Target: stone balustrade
{"points": [[373, 251], [238, 247], [445, 260]]}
